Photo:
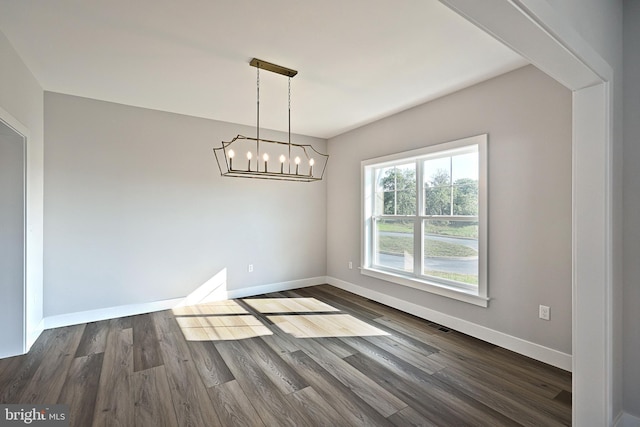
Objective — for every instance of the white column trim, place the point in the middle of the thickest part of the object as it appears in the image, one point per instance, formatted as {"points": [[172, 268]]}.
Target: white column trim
{"points": [[547, 38]]}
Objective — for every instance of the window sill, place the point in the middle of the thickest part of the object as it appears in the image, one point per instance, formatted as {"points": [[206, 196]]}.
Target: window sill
{"points": [[426, 286]]}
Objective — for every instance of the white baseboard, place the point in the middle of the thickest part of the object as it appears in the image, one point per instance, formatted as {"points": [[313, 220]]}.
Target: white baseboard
{"points": [[276, 287], [214, 292], [527, 348], [96, 315], [625, 419], [33, 335]]}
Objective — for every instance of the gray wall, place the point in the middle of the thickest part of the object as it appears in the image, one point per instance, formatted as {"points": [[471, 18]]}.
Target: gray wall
{"points": [[136, 210], [21, 97], [632, 206], [528, 118]]}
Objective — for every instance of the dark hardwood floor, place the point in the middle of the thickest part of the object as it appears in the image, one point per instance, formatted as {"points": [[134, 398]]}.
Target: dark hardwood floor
{"points": [[316, 356]]}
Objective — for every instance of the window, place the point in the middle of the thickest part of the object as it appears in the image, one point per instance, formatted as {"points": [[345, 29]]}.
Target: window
{"points": [[424, 219]]}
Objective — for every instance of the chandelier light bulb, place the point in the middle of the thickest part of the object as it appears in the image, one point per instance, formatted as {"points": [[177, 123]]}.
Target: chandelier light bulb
{"points": [[297, 160], [231, 154], [249, 155], [312, 162], [282, 158], [265, 157]]}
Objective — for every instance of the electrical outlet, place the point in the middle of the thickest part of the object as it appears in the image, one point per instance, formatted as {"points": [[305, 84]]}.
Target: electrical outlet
{"points": [[350, 265], [250, 268], [544, 312]]}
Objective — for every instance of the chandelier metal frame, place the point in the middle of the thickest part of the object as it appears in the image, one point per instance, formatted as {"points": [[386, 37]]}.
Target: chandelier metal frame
{"points": [[296, 162]]}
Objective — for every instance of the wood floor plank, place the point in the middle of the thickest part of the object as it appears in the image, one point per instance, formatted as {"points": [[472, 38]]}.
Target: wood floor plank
{"points": [[409, 417], [94, 338], [47, 381], [233, 406], [565, 398], [367, 389], [209, 363], [550, 374], [146, 349], [317, 408], [12, 386], [279, 372], [151, 394], [478, 367], [523, 412], [188, 394], [351, 407], [452, 348], [121, 322], [420, 360], [80, 389], [434, 403], [114, 403], [8, 368], [279, 343], [386, 358], [263, 394]]}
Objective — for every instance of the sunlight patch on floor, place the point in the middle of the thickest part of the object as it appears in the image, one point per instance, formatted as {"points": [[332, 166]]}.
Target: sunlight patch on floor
{"points": [[324, 325], [221, 328], [218, 321], [288, 305], [298, 317], [211, 308]]}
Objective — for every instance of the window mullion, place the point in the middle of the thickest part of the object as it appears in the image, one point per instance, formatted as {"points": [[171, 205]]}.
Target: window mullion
{"points": [[451, 185], [418, 247], [395, 190]]}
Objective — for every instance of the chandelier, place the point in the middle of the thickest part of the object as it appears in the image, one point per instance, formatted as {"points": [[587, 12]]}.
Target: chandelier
{"points": [[247, 157]]}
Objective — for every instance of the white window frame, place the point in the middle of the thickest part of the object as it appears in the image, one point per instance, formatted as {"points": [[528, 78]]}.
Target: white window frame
{"points": [[477, 295]]}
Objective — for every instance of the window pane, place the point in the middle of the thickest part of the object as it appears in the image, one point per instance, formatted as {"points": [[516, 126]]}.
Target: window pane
{"points": [[465, 182], [388, 206], [406, 177], [394, 244], [406, 202], [396, 190], [451, 250], [465, 166], [465, 197], [437, 200], [437, 186], [437, 172], [385, 179]]}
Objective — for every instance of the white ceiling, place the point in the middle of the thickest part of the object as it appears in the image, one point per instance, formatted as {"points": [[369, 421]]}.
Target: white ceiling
{"points": [[358, 60]]}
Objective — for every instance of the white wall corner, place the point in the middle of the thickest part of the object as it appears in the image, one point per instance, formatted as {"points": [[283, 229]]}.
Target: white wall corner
{"points": [[518, 345]]}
